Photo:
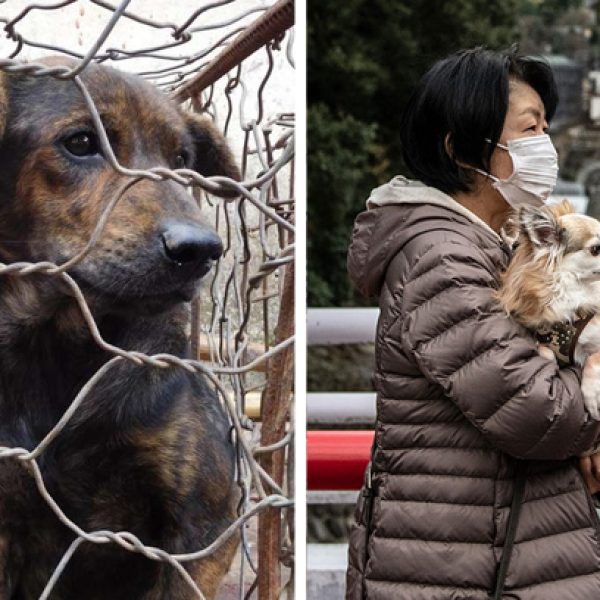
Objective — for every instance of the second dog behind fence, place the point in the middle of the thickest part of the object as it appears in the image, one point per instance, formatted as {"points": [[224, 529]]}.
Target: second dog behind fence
{"points": [[149, 450]]}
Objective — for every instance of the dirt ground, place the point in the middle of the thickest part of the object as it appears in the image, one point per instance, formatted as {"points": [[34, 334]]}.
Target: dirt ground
{"points": [[230, 588]]}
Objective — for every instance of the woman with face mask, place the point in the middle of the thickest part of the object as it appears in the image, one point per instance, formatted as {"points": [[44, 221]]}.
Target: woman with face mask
{"points": [[475, 488]]}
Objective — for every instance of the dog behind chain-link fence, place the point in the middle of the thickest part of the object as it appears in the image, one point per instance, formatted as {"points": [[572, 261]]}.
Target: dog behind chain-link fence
{"points": [[88, 195]]}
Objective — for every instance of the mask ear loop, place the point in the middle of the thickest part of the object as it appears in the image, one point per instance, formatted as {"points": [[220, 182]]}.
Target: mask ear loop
{"points": [[448, 148], [480, 171], [497, 144], [489, 175], [493, 177]]}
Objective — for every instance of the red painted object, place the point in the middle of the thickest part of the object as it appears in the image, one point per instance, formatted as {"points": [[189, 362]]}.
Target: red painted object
{"points": [[336, 460]]}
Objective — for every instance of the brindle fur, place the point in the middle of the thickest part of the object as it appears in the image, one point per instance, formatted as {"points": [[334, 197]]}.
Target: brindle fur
{"points": [[149, 451]]}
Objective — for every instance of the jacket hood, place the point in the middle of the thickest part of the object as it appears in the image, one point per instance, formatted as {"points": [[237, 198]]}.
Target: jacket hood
{"points": [[393, 211]]}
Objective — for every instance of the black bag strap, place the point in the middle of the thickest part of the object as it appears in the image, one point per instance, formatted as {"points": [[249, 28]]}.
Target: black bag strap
{"points": [[511, 530], [367, 489]]}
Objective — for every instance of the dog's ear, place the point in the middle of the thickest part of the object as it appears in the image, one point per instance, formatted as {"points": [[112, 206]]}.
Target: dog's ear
{"points": [[564, 207], [213, 156], [540, 226]]}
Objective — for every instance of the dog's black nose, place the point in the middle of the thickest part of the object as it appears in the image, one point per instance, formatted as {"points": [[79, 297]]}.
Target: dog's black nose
{"points": [[185, 243]]}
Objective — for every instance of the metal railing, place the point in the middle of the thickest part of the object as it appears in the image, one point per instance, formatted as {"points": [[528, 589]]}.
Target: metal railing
{"points": [[242, 334], [336, 455]]}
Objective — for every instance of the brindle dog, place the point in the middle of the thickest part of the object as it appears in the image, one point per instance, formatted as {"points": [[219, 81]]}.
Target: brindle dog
{"points": [[149, 450]]}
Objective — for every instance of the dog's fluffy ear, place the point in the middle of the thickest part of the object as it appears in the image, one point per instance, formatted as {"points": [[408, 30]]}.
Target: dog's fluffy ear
{"points": [[564, 207], [540, 226], [213, 156]]}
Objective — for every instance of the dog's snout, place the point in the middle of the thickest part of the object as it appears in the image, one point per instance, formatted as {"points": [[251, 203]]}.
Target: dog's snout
{"points": [[185, 243]]}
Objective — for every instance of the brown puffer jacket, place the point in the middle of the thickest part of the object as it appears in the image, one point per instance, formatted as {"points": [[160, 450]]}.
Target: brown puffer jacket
{"points": [[461, 392]]}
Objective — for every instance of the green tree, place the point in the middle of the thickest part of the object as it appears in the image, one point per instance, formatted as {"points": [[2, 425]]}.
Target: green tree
{"points": [[364, 57]]}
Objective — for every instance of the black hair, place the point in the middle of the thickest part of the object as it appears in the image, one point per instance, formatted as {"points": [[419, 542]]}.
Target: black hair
{"points": [[464, 98]]}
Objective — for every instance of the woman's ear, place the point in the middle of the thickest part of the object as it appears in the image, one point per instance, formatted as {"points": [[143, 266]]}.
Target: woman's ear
{"points": [[448, 147], [213, 156]]}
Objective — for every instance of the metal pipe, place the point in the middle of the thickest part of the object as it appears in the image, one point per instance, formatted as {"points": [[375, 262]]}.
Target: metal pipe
{"points": [[347, 408], [336, 460], [331, 326], [269, 26]]}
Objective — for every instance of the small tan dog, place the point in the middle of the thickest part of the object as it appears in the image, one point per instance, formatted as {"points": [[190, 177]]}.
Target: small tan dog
{"points": [[552, 286]]}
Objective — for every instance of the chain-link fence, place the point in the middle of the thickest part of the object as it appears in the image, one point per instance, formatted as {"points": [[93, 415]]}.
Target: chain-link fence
{"points": [[232, 60]]}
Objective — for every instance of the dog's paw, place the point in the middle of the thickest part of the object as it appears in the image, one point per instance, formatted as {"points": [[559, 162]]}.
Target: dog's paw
{"points": [[590, 386], [547, 352]]}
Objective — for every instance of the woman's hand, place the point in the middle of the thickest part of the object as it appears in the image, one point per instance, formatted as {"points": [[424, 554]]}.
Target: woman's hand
{"points": [[590, 385], [590, 469]]}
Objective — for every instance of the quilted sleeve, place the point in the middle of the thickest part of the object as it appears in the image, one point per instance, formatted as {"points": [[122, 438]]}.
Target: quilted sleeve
{"points": [[485, 362]]}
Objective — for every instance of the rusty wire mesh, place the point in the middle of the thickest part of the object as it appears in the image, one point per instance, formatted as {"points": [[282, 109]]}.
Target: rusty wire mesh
{"points": [[239, 325]]}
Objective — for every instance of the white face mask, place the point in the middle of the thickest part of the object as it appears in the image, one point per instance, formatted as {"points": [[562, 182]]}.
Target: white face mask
{"points": [[535, 170]]}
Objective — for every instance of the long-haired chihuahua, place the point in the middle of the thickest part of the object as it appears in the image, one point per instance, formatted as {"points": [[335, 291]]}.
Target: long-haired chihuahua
{"points": [[552, 286]]}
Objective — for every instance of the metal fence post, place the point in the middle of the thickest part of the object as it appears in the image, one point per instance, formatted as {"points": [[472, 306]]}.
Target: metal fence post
{"points": [[276, 404]]}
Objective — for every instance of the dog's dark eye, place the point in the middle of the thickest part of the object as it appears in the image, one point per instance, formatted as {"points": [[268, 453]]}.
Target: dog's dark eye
{"points": [[83, 143], [595, 250]]}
